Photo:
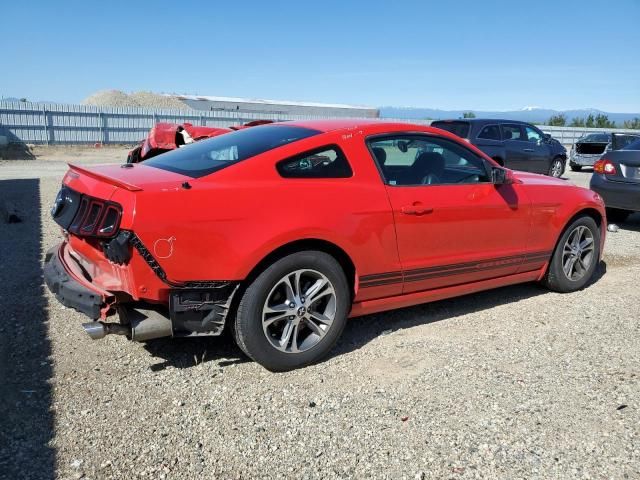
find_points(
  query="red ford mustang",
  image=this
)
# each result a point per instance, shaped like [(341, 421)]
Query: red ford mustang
[(282, 231)]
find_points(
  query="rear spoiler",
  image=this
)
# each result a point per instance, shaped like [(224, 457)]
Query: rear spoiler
[(104, 178)]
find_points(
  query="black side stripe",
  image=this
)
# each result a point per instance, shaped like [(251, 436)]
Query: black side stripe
[(379, 279), (380, 276)]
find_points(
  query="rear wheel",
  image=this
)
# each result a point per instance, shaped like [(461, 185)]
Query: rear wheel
[(293, 313), (617, 215), (575, 257), (575, 168), (557, 168)]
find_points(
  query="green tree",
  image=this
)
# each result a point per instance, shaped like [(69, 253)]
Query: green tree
[(577, 122), (602, 121), (590, 122), (468, 115), (557, 120), (634, 124)]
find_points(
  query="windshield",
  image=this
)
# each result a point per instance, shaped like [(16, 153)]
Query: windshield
[(460, 129), (632, 146), (596, 137), (208, 156)]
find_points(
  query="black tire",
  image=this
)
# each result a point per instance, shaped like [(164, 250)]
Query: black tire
[(617, 215), (556, 279), (248, 328), (554, 171), (575, 168)]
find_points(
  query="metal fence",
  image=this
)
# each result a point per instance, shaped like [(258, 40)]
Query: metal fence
[(49, 123), (569, 135)]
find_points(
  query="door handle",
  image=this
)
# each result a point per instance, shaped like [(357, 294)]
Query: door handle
[(416, 209), (529, 150)]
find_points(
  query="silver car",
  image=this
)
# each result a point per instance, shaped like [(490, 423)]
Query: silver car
[(590, 148)]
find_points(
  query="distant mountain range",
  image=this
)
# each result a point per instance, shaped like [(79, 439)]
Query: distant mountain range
[(527, 114)]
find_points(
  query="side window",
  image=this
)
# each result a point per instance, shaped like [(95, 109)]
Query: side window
[(512, 132), (426, 160), (533, 135), (325, 162), (490, 132)]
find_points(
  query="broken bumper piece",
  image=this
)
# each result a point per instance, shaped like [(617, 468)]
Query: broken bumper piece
[(68, 289)]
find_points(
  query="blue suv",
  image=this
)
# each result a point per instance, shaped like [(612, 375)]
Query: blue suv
[(516, 145)]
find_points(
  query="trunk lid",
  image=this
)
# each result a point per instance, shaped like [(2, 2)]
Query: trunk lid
[(108, 193), (627, 163), (129, 176)]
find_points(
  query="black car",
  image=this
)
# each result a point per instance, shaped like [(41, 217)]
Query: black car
[(616, 178), (516, 145)]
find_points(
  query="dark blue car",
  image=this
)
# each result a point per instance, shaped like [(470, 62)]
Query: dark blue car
[(616, 177), (516, 145)]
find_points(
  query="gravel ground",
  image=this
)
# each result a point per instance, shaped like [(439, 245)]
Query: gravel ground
[(512, 383)]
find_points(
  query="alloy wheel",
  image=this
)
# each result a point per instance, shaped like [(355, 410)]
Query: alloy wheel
[(578, 253), (299, 311), (556, 168)]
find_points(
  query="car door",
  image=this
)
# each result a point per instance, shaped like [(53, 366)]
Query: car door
[(514, 146), (489, 140), (453, 225), (537, 152)]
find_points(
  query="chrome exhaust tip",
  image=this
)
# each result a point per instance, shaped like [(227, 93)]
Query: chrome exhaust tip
[(98, 330), (95, 330)]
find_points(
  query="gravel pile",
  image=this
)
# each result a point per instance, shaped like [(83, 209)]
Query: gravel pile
[(117, 98), (512, 383)]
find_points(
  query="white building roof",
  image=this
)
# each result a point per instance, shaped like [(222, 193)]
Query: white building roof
[(267, 102)]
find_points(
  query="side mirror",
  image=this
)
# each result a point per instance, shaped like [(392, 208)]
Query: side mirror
[(501, 176), (547, 137)]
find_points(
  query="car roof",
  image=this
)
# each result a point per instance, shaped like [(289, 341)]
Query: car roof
[(350, 123), (484, 120)]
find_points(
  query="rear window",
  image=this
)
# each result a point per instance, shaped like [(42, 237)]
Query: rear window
[(632, 146), (460, 129), (619, 141), (596, 137), (208, 156)]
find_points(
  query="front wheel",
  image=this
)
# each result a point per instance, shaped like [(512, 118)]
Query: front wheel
[(575, 257), (293, 313), (557, 168)]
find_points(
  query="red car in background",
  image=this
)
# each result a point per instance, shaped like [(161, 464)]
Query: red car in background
[(164, 137), (280, 232)]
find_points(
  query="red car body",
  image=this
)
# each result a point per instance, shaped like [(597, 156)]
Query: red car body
[(398, 245)]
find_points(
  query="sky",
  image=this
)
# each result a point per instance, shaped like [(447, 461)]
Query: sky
[(460, 54)]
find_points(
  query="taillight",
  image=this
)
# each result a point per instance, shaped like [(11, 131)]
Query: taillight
[(96, 218), (605, 167)]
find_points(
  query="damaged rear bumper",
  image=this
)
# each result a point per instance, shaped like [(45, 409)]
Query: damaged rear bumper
[(69, 289), (584, 160), (193, 309)]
